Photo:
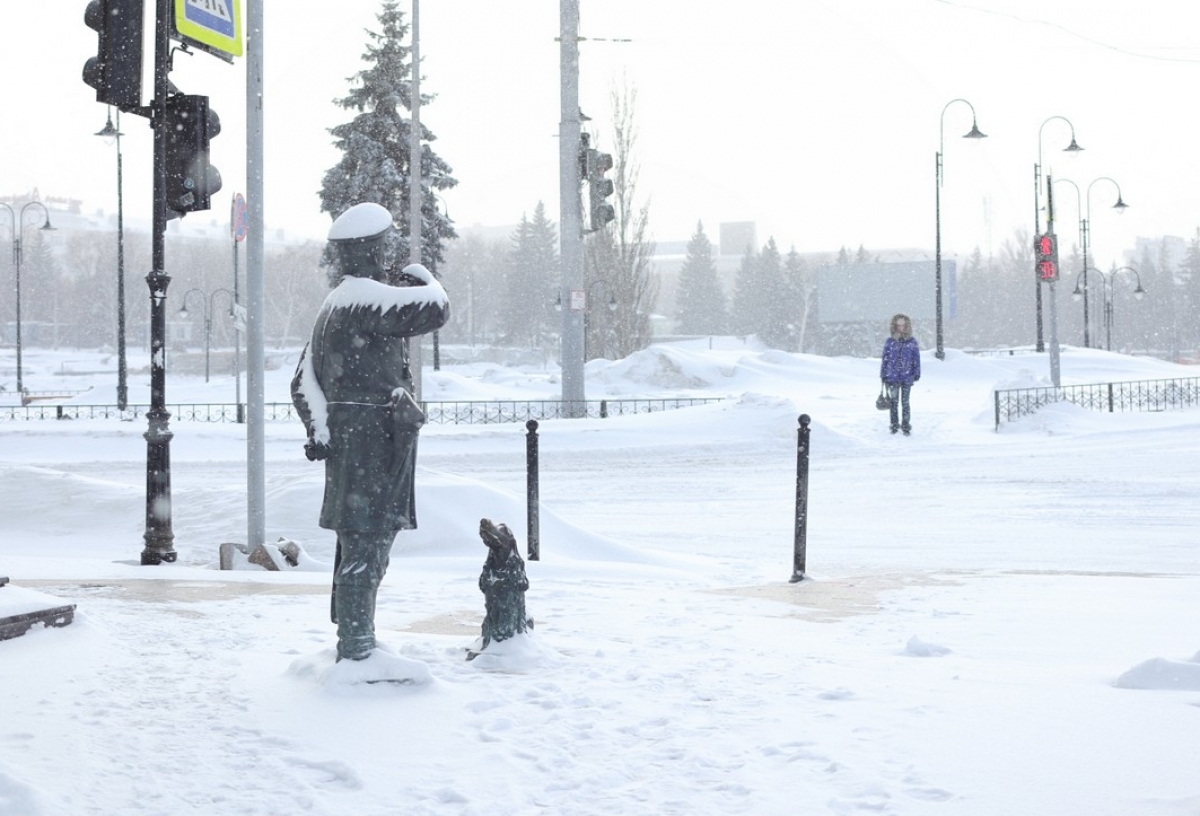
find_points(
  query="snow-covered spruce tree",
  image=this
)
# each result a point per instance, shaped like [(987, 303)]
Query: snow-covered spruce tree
[(375, 145), (778, 305), (1189, 275), (699, 298), (745, 316), (531, 282)]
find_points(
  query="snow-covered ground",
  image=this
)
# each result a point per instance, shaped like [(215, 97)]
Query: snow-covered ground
[(994, 622)]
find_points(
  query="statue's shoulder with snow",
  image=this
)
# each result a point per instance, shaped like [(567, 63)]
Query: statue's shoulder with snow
[(353, 392)]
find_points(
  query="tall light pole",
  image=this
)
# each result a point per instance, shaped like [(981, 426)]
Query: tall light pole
[(1085, 231), (206, 308), (1106, 287), (975, 133), (415, 188), (112, 135), (1074, 149), (1120, 207), (17, 225), (570, 233)]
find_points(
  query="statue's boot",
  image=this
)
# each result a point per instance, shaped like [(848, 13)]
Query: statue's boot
[(361, 561), (355, 607)]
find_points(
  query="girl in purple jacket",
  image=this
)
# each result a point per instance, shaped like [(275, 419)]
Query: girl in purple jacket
[(901, 367)]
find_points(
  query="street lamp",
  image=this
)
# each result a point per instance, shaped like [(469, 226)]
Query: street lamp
[(1106, 289), (1074, 149), (612, 307), (206, 307), (112, 135), (1085, 231), (974, 133), (17, 226)]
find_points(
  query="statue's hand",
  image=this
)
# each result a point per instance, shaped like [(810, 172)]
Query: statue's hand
[(316, 451)]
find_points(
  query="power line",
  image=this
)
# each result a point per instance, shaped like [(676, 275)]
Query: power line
[(1072, 33)]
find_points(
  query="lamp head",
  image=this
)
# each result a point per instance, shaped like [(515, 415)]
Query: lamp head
[(109, 133), (1120, 206), (975, 133), (1073, 148)]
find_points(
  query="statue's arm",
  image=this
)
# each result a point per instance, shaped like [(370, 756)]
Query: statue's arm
[(423, 306), (311, 406)]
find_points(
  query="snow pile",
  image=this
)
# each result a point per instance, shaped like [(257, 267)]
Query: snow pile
[(1161, 673)]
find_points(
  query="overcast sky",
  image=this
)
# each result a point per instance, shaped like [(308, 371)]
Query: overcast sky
[(819, 120)]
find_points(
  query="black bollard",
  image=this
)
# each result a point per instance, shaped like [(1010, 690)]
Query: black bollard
[(531, 489), (799, 554)]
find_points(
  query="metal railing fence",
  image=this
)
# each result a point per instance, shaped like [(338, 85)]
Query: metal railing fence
[(461, 412), (1136, 395)]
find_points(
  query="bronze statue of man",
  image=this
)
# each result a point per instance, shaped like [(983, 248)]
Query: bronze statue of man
[(353, 391)]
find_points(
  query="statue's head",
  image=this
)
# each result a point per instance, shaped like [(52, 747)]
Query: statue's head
[(357, 238)]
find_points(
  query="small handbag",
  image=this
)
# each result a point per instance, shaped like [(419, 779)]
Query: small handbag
[(883, 402)]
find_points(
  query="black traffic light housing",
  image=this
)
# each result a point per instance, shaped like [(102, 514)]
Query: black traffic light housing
[(116, 70), (190, 179), (599, 188), (1046, 248)]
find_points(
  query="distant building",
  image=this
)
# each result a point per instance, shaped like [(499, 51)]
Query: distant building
[(737, 238)]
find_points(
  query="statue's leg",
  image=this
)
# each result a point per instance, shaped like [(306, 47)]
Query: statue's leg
[(364, 559)]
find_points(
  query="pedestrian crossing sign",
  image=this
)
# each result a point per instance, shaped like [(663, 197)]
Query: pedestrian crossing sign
[(214, 26)]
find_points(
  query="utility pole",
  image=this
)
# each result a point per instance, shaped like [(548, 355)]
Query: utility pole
[(570, 212), (256, 491)]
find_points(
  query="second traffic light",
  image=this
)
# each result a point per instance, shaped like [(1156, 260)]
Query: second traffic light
[(191, 179), (599, 188), (1046, 248), (116, 70)]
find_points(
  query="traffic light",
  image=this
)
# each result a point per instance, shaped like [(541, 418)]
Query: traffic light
[(584, 150), (116, 70), (1046, 248), (190, 180), (599, 188)]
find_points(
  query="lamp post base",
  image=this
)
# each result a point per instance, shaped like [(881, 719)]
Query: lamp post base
[(152, 557), (159, 537)]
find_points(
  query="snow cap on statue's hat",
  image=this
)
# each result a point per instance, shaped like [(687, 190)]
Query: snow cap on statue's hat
[(361, 223)]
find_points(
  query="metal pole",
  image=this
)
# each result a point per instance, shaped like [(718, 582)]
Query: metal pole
[(1085, 227), (937, 208), (534, 551), (159, 537), (800, 542), (1054, 350), (19, 226), (415, 190), (237, 339), (1108, 312), (1037, 219), (570, 207), (256, 499), (207, 334), (122, 366)]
